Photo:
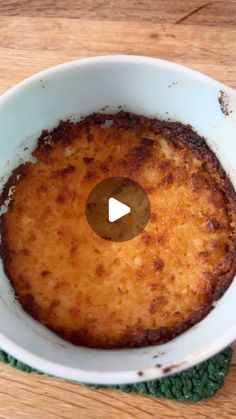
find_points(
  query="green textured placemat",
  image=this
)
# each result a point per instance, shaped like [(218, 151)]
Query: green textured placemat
[(194, 384)]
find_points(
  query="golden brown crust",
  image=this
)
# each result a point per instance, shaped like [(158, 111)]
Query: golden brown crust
[(141, 292)]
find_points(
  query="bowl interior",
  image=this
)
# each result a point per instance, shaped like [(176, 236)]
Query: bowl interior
[(144, 86)]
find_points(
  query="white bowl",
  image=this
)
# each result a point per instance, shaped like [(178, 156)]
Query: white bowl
[(145, 86)]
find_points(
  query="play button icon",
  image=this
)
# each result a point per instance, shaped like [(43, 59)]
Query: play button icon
[(117, 209)]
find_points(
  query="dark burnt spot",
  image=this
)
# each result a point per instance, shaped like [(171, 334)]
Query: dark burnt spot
[(158, 264), (164, 165), (74, 246), (198, 182), (126, 120), (89, 175), (213, 225), (152, 217), (147, 142), (63, 173), (216, 197), (90, 137), (54, 304), (97, 251), (180, 136), (171, 278), (153, 335), (64, 133), (45, 273), (100, 270), (158, 365), (226, 247), (140, 373), (27, 300), (29, 304), (140, 155), (203, 254), (136, 158), (95, 119), (205, 168), (25, 252), (140, 271), (146, 238), (153, 286), (47, 147), (61, 199), (161, 239), (88, 160), (60, 285), (74, 311), (44, 149), (73, 249), (167, 180), (105, 166), (156, 304), (120, 290)]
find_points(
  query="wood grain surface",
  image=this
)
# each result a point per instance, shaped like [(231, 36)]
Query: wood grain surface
[(37, 34)]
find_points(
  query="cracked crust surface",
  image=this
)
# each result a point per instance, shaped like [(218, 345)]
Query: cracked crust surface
[(109, 295)]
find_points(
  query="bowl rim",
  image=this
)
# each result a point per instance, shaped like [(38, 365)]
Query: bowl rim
[(127, 376), (105, 59)]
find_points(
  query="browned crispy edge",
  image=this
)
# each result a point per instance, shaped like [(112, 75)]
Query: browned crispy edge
[(178, 135)]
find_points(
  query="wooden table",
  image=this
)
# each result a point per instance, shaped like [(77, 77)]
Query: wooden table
[(37, 34)]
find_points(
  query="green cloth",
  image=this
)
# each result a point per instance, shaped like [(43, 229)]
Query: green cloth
[(194, 384)]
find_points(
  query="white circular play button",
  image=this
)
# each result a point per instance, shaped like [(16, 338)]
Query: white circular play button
[(117, 209)]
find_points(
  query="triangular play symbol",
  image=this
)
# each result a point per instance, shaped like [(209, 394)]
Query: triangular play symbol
[(116, 210)]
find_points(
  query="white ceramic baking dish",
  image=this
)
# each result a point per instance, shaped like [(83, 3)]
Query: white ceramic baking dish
[(145, 86)]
